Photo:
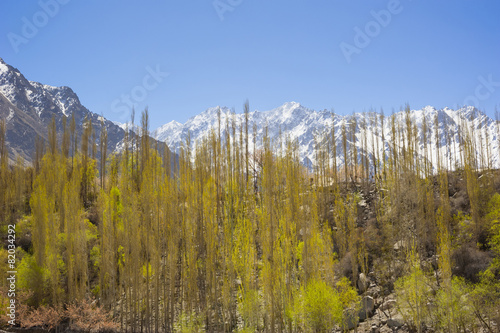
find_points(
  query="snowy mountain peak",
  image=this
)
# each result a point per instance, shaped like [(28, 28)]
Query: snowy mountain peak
[(289, 108), (213, 111), (429, 109), (173, 125), (291, 105)]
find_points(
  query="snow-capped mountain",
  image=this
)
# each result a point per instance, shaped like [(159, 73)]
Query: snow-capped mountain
[(312, 129), (28, 108)]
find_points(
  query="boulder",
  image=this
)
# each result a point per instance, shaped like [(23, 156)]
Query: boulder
[(367, 308), (364, 327), (395, 322), (373, 291), (385, 329), (363, 283), (400, 245), (351, 320)]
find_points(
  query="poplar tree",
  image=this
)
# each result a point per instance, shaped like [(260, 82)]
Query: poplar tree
[(103, 145)]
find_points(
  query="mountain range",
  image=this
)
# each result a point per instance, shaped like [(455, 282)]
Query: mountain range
[(28, 107), (312, 129)]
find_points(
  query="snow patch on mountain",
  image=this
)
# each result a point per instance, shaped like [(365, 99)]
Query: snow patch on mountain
[(11, 115)]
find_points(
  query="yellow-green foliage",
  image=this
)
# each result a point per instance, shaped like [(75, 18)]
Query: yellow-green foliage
[(453, 307), (250, 309), (413, 293), (493, 218), (319, 306), (486, 298), (189, 323), (34, 279), (349, 298)]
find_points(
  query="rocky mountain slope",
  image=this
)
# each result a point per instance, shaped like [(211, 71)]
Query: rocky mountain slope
[(28, 108)]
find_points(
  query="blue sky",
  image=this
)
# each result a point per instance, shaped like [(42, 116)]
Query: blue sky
[(347, 55)]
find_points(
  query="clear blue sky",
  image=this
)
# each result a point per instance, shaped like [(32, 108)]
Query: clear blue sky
[(438, 53)]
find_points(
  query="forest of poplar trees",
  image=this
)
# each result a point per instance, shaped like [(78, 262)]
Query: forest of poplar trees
[(225, 237)]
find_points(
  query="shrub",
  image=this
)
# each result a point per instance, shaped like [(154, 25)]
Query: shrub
[(83, 316), (320, 306), (469, 261)]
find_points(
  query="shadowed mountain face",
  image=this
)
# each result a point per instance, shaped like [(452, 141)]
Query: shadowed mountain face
[(28, 108)]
